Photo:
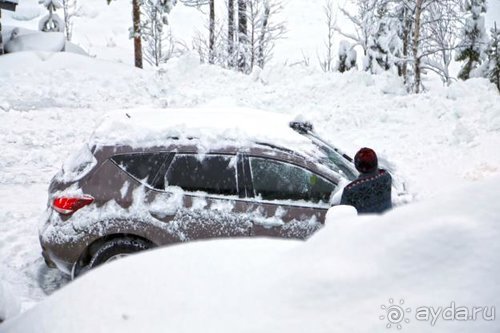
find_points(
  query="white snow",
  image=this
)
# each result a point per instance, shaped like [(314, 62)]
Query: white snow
[(9, 305), (445, 138), (429, 254), (49, 42), (214, 127), (77, 165), (436, 140)]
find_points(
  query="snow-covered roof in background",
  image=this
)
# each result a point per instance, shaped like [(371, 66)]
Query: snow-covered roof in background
[(214, 128)]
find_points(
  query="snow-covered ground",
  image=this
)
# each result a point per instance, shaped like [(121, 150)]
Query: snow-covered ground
[(443, 138), (435, 253), (50, 104)]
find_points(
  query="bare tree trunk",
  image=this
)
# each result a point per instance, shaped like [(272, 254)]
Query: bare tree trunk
[(211, 36), (252, 26), (1, 40), (68, 17), (136, 14), (242, 33), (262, 38), (230, 33), (402, 68), (416, 44)]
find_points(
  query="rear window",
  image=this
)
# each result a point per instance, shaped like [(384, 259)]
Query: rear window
[(213, 174), (143, 166)]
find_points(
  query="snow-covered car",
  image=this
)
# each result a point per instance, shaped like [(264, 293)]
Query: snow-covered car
[(152, 178), (440, 254)]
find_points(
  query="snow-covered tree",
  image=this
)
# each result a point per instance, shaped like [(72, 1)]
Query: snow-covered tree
[(427, 31), (199, 41), (231, 58), (242, 49), (262, 30), (363, 20), (347, 57), (158, 42), (377, 53), (211, 32), (51, 22), (404, 24), (439, 37), (493, 63), (471, 48), (135, 31), (384, 44), (376, 30), (327, 62), (245, 38)]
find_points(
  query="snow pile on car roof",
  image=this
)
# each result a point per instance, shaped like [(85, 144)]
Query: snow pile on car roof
[(431, 254), (213, 128)]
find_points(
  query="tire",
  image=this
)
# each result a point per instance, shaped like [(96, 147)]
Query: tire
[(111, 249), (117, 248)]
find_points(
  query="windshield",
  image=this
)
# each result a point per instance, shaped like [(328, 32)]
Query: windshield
[(335, 160)]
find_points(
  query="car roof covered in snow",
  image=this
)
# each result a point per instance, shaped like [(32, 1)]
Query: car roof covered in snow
[(213, 128)]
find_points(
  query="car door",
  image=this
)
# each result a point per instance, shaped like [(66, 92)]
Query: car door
[(207, 191), (289, 200)]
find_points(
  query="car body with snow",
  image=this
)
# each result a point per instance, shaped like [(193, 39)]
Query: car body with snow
[(153, 178)]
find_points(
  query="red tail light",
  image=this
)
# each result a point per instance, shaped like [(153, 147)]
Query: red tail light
[(69, 205)]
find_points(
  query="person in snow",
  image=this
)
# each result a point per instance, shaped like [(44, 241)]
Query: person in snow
[(371, 191)]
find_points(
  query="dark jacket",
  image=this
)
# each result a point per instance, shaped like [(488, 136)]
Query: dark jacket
[(370, 193)]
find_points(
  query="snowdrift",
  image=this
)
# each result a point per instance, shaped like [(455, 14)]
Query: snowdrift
[(444, 136), (19, 39), (48, 42), (430, 254), (9, 305)]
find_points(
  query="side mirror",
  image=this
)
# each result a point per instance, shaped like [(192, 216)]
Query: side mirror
[(340, 212)]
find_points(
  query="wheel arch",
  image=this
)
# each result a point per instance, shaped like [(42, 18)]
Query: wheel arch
[(91, 248)]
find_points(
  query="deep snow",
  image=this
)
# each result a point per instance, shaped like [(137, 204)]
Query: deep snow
[(441, 139), (50, 104), (429, 254)]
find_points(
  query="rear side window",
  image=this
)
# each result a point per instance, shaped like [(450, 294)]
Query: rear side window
[(143, 166), (275, 180), (213, 174)]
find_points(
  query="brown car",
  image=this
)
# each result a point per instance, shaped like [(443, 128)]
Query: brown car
[(150, 179)]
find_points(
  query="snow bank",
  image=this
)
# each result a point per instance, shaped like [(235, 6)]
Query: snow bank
[(47, 41), (70, 80), (444, 136), (428, 254), (18, 39), (435, 141), (9, 305)]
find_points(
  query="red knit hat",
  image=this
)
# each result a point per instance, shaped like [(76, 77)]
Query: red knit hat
[(366, 160)]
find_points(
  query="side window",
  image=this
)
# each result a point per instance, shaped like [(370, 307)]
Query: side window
[(143, 166), (274, 180), (213, 174)]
